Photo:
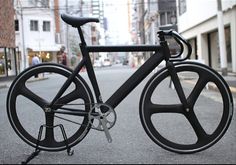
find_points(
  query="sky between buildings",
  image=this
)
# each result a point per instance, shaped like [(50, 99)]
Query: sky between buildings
[(116, 12)]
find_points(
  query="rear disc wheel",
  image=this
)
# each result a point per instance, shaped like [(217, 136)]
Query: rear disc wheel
[(28, 97)]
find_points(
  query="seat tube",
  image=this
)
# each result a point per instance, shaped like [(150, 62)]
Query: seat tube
[(81, 36), (91, 73)]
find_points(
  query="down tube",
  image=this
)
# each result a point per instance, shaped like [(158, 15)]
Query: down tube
[(135, 79)]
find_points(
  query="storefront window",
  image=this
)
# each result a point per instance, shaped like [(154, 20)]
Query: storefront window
[(7, 62), (46, 56), (11, 68), (2, 63), (43, 56), (215, 50), (228, 48)]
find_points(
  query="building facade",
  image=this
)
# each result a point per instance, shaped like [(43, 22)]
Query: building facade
[(8, 56), (167, 16), (69, 35), (38, 30), (149, 16), (197, 22)]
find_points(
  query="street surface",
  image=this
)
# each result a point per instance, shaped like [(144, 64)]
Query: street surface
[(130, 144)]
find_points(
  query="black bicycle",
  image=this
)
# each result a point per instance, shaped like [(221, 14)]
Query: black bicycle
[(55, 120)]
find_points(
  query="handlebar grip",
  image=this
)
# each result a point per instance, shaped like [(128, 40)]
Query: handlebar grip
[(180, 40), (181, 48)]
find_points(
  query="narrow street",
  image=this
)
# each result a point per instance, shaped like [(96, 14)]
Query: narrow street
[(130, 144)]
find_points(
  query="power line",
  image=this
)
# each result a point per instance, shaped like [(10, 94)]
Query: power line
[(62, 7), (117, 3)]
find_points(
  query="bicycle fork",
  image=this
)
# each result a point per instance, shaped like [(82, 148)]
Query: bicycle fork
[(177, 85)]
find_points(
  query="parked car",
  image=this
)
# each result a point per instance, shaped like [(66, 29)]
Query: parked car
[(106, 62), (125, 62), (97, 64)]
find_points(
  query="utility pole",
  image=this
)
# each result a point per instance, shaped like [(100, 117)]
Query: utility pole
[(81, 8), (142, 20), (142, 25), (23, 51), (221, 32), (67, 37)]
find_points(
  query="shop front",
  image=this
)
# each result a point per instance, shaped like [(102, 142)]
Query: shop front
[(44, 56), (214, 52), (8, 58), (8, 63)]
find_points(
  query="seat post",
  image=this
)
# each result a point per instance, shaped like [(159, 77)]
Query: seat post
[(81, 36)]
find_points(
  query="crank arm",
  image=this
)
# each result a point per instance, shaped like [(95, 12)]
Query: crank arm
[(107, 133)]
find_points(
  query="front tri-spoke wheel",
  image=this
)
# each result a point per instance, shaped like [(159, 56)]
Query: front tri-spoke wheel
[(28, 107), (190, 129)]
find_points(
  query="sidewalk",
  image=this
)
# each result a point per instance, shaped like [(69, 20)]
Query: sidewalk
[(7, 84), (231, 80)]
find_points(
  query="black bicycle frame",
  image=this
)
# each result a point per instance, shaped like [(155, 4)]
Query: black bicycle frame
[(136, 78), (161, 51)]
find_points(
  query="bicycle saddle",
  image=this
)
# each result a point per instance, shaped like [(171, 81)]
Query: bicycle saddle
[(77, 21)]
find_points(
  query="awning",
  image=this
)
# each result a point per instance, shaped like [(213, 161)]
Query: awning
[(49, 48)]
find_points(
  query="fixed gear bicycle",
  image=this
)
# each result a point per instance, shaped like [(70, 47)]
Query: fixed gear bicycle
[(57, 113)]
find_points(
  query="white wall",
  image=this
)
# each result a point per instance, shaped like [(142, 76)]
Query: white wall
[(36, 40), (199, 11), (39, 40), (200, 19)]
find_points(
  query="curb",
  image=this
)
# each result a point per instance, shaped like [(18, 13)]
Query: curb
[(3, 86), (38, 79), (212, 86), (188, 80), (8, 84), (233, 89)]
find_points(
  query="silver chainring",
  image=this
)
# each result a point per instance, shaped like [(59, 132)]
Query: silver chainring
[(103, 121)]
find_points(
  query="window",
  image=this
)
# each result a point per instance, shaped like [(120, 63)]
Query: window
[(163, 18), (46, 26), (16, 25), (33, 3), (34, 25), (182, 7), (169, 14), (45, 3), (2, 62), (39, 3)]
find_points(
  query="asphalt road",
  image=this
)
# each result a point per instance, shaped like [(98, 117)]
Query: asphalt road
[(130, 143)]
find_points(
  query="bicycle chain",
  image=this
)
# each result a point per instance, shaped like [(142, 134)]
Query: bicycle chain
[(96, 105)]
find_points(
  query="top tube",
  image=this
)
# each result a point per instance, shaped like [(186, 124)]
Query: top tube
[(124, 48)]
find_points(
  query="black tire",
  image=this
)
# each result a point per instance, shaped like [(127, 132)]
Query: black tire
[(170, 126), (28, 96)]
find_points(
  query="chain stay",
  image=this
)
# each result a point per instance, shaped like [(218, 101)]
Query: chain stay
[(103, 124)]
